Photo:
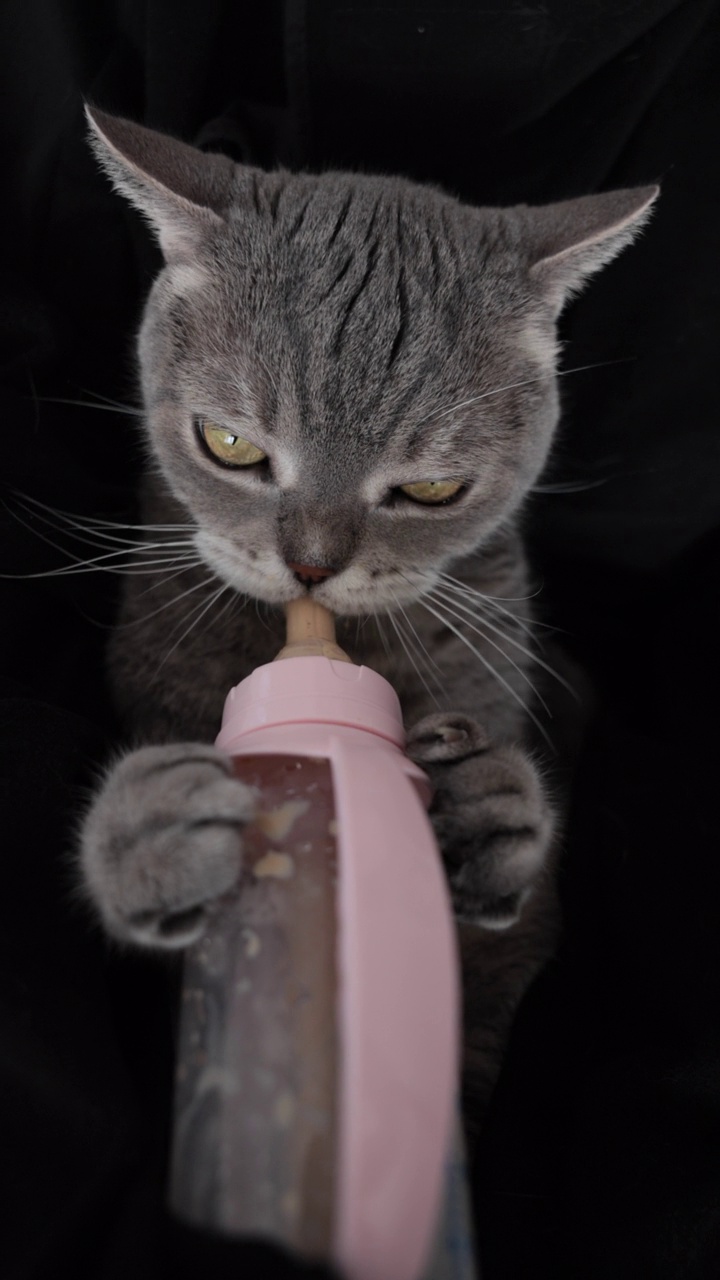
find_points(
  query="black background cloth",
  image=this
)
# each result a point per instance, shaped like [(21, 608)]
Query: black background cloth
[(601, 1157)]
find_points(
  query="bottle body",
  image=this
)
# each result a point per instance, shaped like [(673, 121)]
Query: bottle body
[(343, 906)]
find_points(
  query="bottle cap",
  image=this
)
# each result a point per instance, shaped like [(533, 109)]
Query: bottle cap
[(312, 690)]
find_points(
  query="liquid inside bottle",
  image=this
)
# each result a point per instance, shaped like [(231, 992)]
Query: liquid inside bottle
[(256, 1097)]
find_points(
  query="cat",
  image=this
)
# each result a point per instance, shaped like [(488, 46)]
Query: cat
[(349, 387)]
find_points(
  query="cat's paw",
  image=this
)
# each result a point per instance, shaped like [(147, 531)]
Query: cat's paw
[(162, 842), (490, 814)]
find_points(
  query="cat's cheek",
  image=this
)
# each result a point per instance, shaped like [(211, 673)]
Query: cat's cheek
[(260, 575)]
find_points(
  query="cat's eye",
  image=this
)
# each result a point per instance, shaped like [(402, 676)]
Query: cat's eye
[(228, 448), (432, 492)]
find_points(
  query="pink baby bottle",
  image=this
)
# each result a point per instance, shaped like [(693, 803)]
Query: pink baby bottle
[(319, 1036)]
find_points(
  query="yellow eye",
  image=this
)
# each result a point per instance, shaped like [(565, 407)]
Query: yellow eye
[(229, 448), (431, 491)]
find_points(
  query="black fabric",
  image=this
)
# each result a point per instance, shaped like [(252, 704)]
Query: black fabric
[(601, 1155)]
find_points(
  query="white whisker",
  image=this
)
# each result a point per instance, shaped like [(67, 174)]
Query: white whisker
[(485, 604), (568, 486), (101, 539), (408, 647), (161, 582), (433, 667), (135, 622), (443, 603), (488, 665), (164, 553), (148, 567), (197, 615), (495, 600), (383, 637), (233, 600), (89, 524), (528, 625), (109, 406), (511, 386), (534, 657)]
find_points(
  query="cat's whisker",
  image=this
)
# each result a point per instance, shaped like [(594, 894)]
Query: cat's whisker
[(568, 486), (433, 668), (110, 406), (446, 622), (125, 546), (511, 386), (407, 649), (381, 633), (415, 657), (492, 603), (86, 531), (443, 602), (135, 622), (176, 573), (234, 599), (264, 622), (93, 563), (92, 521), (149, 567), (99, 538), (487, 607), (116, 404), (495, 600), (505, 635), (197, 614)]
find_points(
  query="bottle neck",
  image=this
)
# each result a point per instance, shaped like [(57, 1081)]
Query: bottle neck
[(312, 690)]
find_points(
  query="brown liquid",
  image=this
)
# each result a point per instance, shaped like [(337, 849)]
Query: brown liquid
[(255, 1125)]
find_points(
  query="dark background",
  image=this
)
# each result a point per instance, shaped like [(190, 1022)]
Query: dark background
[(602, 1156)]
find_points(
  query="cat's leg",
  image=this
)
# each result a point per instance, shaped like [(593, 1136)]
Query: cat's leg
[(497, 833), (162, 841)]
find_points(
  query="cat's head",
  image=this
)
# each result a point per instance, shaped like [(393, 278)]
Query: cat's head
[(348, 380)]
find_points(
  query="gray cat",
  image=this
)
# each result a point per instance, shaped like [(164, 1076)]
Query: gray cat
[(349, 387)]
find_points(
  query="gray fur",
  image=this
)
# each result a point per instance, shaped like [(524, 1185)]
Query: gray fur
[(366, 333)]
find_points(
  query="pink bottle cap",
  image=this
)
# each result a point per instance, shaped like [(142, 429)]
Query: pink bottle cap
[(312, 691)]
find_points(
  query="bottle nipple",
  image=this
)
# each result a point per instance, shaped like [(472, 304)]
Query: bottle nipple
[(310, 632)]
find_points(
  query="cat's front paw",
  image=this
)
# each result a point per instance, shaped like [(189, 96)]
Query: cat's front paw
[(162, 842), (490, 814)]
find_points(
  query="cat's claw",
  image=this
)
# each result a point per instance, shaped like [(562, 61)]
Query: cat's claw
[(490, 814), (162, 843)]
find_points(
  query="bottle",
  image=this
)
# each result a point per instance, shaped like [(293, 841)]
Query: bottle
[(318, 1056)]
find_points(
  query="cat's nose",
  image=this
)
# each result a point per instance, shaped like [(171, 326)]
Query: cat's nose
[(309, 574)]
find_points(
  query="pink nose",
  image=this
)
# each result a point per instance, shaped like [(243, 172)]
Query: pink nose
[(309, 572)]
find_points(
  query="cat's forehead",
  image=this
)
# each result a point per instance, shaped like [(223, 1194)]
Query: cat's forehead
[(310, 229), (341, 204), (348, 314), (359, 296)]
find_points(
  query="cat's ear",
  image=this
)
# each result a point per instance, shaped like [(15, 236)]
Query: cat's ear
[(575, 238), (182, 192)]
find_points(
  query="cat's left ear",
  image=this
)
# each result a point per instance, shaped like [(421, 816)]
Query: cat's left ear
[(182, 192), (575, 238)]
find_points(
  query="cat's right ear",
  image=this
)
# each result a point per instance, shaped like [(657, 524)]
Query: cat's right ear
[(181, 191)]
